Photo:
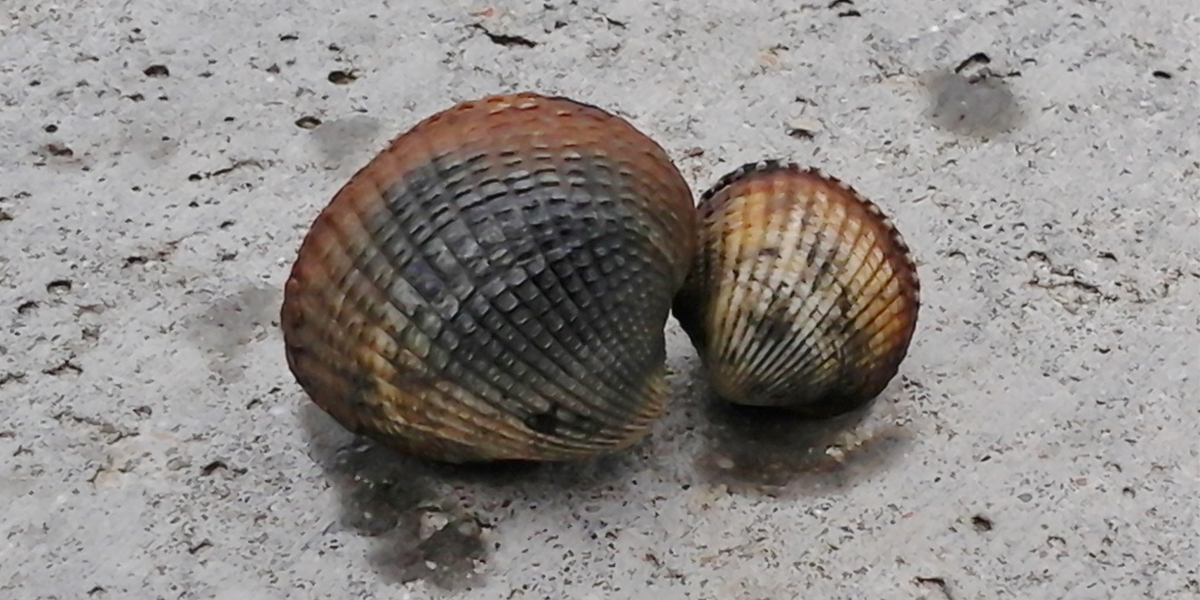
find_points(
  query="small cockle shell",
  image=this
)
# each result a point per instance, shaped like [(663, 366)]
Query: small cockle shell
[(802, 296), (495, 285)]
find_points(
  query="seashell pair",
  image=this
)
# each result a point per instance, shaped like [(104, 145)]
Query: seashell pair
[(495, 285)]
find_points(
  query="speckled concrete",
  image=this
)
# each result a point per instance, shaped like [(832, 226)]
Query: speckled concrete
[(159, 165)]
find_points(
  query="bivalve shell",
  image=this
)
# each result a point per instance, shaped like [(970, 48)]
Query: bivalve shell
[(802, 296), (495, 285)]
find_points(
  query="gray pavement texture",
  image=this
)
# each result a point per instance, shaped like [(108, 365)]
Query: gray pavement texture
[(160, 161)]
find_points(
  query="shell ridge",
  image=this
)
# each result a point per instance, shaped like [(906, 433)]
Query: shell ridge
[(483, 379), (870, 307), (542, 381), (805, 364), (824, 248), (786, 295), (737, 331), (674, 260), (554, 222), (730, 242), (461, 422), (874, 304), (750, 361), (622, 383), (807, 381), (550, 370), (753, 361), (848, 319), (843, 333), (882, 302), (879, 309), (711, 292), (904, 252), (368, 354), (728, 246), (625, 384), (743, 265), (805, 353), (617, 381), (815, 368), (629, 225)]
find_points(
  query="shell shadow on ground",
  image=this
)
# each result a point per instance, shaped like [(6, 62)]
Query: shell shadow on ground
[(422, 514), (774, 453)]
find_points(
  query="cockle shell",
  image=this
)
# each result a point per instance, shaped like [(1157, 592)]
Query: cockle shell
[(495, 285), (802, 296)]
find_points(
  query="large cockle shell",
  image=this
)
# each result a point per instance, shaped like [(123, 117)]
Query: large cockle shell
[(802, 296), (495, 285)]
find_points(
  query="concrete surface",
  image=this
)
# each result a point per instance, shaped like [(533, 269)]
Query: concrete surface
[(159, 164)]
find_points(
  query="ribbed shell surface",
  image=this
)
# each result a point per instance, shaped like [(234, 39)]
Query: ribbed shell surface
[(802, 295), (495, 285)]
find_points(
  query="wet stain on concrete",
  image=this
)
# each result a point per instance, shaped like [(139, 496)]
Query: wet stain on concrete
[(231, 324), (972, 99), (341, 142)]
